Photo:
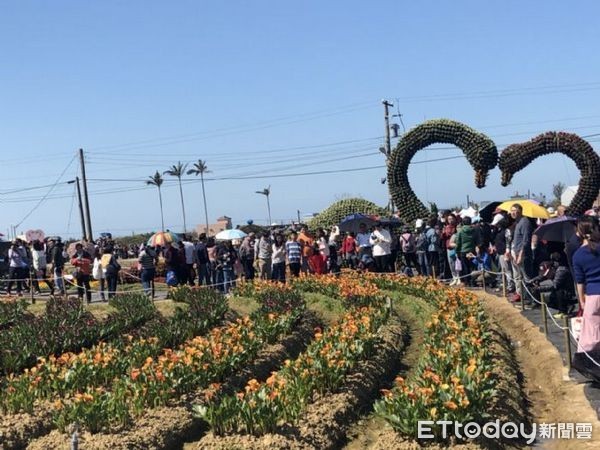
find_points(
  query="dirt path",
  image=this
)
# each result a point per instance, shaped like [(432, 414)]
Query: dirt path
[(554, 398), (367, 431)]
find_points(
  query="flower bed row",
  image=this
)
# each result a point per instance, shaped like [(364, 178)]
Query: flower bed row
[(110, 384), (66, 326), (12, 310), (453, 379), (263, 407)]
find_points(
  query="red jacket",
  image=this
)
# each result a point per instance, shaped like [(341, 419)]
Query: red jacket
[(349, 245), (316, 264)]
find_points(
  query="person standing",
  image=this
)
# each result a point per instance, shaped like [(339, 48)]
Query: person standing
[(586, 266), (264, 251), (323, 246), (182, 267), (448, 231), (293, 249), (211, 249), (433, 247), (467, 239), (98, 272), (363, 240), (171, 264), (380, 241), (38, 257), (501, 247), (521, 254), (349, 250), (421, 246), (16, 268), (202, 261), (306, 241), (111, 270), (189, 250), (147, 258), (58, 265), (278, 272), (82, 261), (408, 247), (226, 257), (247, 256)]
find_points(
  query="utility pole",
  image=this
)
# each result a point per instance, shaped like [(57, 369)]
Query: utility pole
[(388, 145), (298, 211), (88, 228), (387, 149), (81, 216)]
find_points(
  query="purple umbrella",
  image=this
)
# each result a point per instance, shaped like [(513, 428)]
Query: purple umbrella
[(558, 229)]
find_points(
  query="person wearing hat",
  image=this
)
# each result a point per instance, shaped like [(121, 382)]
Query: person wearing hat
[(501, 249), (17, 267)]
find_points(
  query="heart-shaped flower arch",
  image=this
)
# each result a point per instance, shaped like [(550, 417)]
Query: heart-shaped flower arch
[(479, 150), (516, 157)]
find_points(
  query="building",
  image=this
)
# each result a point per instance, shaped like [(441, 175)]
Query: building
[(223, 223)]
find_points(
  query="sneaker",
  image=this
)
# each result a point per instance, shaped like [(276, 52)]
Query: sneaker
[(559, 315), (516, 298)]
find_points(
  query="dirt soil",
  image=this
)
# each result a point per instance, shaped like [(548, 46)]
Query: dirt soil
[(169, 427), (554, 398), (326, 421)]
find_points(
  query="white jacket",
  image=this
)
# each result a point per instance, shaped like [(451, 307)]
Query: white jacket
[(380, 241)]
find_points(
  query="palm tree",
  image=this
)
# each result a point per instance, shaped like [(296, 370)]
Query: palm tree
[(157, 180), (178, 171), (200, 168)]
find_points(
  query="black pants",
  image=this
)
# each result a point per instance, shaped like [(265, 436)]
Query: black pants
[(41, 275), (466, 268), (15, 274), (83, 286), (248, 266), (111, 281), (278, 273), (433, 260), (410, 260), (294, 269), (381, 263)]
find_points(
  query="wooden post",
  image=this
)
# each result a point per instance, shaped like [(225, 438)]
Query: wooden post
[(544, 312), (483, 272), (567, 341), (503, 283), (31, 287)]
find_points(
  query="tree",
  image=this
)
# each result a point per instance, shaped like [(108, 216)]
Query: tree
[(178, 171), (200, 168), (157, 180), (557, 191)]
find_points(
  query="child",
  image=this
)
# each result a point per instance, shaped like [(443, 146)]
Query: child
[(316, 263)]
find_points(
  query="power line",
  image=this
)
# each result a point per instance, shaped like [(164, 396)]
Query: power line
[(47, 193)]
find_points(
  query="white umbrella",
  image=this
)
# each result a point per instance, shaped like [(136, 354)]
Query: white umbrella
[(228, 235), (469, 212)]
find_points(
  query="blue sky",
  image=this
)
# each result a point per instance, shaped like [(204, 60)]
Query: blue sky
[(262, 88)]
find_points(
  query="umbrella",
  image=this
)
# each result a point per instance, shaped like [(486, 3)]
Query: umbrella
[(487, 212), (469, 212), (352, 222), (88, 247), (530, 209), (559, 229), (162, 237), (228, 235)]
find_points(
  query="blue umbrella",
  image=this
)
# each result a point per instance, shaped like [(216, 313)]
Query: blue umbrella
[(558, 229), (353, 221), (228, 235)]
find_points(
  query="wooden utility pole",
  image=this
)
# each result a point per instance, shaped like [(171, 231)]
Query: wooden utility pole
[(81, 216), (88, 225)]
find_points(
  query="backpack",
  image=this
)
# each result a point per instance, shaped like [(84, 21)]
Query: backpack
[(422, 243), (408, 243), (433, 239)]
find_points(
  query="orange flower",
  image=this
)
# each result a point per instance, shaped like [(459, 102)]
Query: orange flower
[(252, 385), (451, 405), (135, 373)]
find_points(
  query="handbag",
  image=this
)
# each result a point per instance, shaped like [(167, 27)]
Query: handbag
[(171, 278), (458, 265), (576, 325), (97, 270)]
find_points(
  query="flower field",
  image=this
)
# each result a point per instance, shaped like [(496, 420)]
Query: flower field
[(201, 366)]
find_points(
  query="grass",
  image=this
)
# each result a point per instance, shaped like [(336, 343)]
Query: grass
[(329, 309)]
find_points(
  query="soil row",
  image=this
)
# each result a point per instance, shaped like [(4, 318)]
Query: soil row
[(169, 427), (325, 422)]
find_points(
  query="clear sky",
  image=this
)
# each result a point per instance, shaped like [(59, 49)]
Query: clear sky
[(262, 88)]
